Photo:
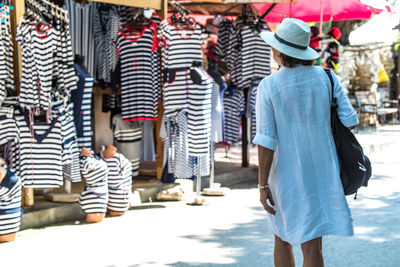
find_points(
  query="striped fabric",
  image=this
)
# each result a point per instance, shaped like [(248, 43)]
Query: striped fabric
[(234, 107), (199, 116), (139, 98), (173, 131), (28, 88), (10, 203), (94, 197), (119, 182), (8, 128), (44, 45), (181, 49), (82, 99), (251, 111), (70, 151), (7, 86), (224, 32), (127, 139), (255, 56), (40, 156)]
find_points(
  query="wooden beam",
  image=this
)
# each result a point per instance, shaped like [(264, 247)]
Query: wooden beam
[(154, 4), (19, 11)]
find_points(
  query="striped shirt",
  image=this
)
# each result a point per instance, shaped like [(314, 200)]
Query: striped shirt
[(44, 45), (70, 152), (251, 111), (94, 196), (10, 203), (173, 131), (119, 182), (82, 99), (127, 139), (256, 56), (40, 156), (234, 108), (139, 97)]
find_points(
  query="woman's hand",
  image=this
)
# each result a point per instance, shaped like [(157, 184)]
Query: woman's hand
[(265, 194)]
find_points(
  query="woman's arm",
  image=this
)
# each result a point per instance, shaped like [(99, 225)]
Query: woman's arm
[(265, 157)]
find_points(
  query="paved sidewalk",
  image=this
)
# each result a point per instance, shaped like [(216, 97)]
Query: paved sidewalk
[(228, 174), (229, 231)]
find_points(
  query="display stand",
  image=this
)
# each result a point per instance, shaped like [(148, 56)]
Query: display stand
[(198, 199), (214, 189)]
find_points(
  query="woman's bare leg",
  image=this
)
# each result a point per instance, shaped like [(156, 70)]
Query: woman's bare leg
[(283, 253), (312, 253)]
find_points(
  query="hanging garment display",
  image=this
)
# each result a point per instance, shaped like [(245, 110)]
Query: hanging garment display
[(251, 111), (70, 152), (10, 203), (7, 86), (47, 62), (119, 182), (94, 197), (135, 49), (186, 84), (82, 99), (234, 108), (246, 55), (176, 157), (127, 139), (82, 32), (39, 153)]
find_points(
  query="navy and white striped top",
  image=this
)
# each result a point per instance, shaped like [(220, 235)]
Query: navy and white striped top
[(234, 107), (138, 95), (40, 155)]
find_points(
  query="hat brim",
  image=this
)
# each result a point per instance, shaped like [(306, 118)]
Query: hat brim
[(306, 54)]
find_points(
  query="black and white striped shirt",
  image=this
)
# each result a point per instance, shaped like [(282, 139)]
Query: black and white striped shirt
[(94, 196), (40, 155), (10, 203), (127, 139), (139, 97), (119, 182), (234, 107)]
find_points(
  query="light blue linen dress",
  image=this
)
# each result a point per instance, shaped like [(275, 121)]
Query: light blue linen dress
[(293, 118)]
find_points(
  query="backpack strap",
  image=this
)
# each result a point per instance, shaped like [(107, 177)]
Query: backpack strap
[(328, 72)]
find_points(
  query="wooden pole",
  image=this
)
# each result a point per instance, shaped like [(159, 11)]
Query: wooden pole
[(159, 141), (19, 10), (245, 138)]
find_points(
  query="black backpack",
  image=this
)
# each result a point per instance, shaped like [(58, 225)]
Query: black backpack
[(355, 167)]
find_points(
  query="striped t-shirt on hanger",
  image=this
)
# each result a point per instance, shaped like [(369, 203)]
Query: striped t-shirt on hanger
[(40, 155)]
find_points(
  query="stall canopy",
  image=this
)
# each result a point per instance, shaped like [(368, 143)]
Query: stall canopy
[(223, 7), (311, 10)]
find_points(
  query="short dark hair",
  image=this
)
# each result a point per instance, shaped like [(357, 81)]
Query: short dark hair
[(292, 62)]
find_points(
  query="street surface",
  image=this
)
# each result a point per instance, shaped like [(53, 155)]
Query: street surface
[(227, 231)]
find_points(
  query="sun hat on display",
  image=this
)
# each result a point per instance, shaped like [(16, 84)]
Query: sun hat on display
[(291, 38)]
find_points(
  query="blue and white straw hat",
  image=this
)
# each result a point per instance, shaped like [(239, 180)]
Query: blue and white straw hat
[(291, 38)]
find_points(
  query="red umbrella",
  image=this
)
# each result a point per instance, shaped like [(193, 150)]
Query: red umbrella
[(317, 10)]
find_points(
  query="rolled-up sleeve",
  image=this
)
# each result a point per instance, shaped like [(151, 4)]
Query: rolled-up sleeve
[(347, 114), (266, 126)]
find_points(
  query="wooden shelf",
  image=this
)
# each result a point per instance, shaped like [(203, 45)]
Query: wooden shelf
[(108, 91)]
